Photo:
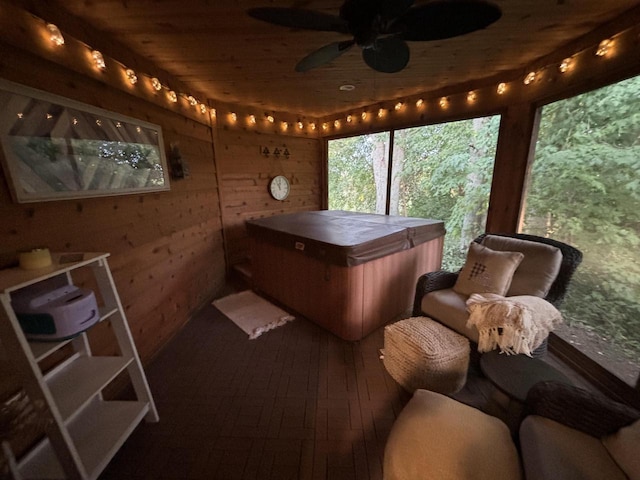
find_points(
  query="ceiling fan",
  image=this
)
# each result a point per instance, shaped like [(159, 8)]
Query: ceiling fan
[(382, 27)]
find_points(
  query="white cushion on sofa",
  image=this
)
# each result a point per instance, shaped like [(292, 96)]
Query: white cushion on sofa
[(624, 447), (552, 451), (449, 308), (436, 437), (537, 270)]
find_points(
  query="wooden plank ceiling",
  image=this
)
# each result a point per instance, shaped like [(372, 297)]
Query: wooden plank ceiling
[(214, 47)]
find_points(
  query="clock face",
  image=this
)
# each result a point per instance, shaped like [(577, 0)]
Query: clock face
[(279, 187)]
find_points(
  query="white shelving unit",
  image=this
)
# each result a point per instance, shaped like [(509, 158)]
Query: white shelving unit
[(83, 431)]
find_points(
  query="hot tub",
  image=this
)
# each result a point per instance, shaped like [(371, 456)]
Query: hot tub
[(348, 272)]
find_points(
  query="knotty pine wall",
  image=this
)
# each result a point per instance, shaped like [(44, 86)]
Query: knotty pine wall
[(244, 173), (167, 253)]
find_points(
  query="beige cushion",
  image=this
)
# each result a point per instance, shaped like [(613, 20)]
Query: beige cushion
[(538, 269), (436, 437), (624, 447), (553, 451), (449, 308), (487, 271)]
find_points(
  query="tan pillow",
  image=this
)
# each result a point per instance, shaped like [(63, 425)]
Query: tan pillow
[(624, 447), (487, 271), (539, 267)]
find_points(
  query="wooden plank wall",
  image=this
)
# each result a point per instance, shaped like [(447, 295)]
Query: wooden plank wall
[(167, 249), (244, 173)]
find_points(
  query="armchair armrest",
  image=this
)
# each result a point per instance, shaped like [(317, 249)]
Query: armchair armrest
[(591, 413), (430, 282)]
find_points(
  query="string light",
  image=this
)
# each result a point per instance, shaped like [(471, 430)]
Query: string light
[(285, 125), (336, 124), (502, 87), (531, 76), (444, 102), (213, 113), (252, 119), (604, 47), (192, 100), (363, 115), (54, 35), (300, 125), (381, 113), (173, 97), (131, 76), (419, 103), (98, 60), (565, 65), (398, 106), (472, 96), (349, 118), (325, 126), (203, 108), (270, 119), (313, 125), (155, 83), (233, 116)]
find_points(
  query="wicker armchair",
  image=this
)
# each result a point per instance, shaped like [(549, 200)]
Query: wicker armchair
[(571, 258), (567, 433)]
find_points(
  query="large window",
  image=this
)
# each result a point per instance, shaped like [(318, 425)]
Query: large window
[(438, 171), (585, 190)]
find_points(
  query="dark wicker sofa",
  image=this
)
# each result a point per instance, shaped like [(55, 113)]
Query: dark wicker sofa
[(439, 280)]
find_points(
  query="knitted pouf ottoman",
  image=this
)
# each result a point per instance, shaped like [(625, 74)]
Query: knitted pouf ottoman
[(422, 353)]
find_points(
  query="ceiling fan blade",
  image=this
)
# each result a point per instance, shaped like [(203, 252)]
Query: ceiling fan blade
[(300, 18), (394, 8), (324, 55), (445, 19), (388, 55)]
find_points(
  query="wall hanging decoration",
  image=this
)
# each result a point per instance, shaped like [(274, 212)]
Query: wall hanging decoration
[(56, 148)]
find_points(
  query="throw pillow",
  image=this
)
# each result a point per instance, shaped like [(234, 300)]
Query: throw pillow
[(624, 447), (487, 271)]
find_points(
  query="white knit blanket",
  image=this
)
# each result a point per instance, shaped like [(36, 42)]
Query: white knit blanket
[(516, 324)]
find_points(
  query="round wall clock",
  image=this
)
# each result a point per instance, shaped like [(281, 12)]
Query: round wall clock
[(279, 187)]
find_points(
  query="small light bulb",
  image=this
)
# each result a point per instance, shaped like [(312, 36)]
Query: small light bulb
[(381, 113), (54, 34), (472, 96), (173, 97), (349, 118), (565, 65), (336, 124), (49, 116), (139, 129), (300, 125), (98, 59), (192, 100), (252, 119), (325, 126), (131, 76), (99, 122), (398, 106), (285, 125), (21, 115), (233, 116), (270, 119), (531, 76), (364, 115), (213, 112), (603, 47), (502, 87), (313, 125), (419, 103), (118, 125), (444, 102), (203, 108), (155, 83)]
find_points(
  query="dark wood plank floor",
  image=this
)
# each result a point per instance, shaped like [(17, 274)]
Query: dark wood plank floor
[(296, 403)]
